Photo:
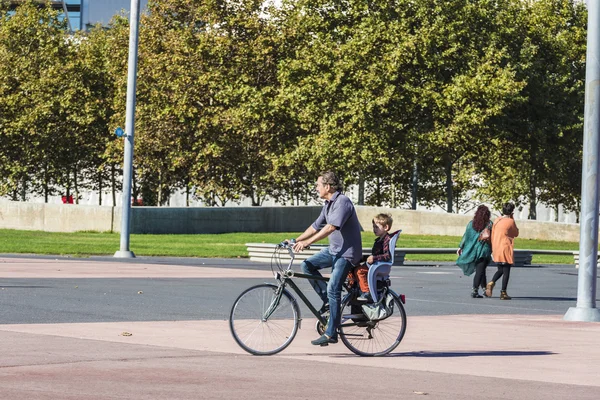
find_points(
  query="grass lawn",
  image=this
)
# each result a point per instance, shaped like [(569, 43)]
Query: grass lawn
[(83, 244)]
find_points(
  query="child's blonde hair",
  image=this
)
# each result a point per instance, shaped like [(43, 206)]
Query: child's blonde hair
[(384, 220)]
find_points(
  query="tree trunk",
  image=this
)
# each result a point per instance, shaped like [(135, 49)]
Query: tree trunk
[(393, 189), (361, 191), (24, 189), (187, 194), (378, 192), (134, 189), (76, 187), (45, 186), (449, 189), (100, 188), (159, 198), (415, 185), (532, 197), (113, 183), (254, 198)]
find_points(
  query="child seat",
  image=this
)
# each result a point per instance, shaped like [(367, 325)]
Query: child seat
[(381, 270)]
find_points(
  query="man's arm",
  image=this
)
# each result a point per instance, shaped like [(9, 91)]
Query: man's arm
[(303, 242), (306, 234)]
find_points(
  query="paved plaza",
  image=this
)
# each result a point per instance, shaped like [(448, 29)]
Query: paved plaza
[(157, 328)]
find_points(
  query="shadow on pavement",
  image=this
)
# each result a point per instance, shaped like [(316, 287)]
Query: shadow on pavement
[(25, 287), (448, 354), (546, 298), (471, 353)]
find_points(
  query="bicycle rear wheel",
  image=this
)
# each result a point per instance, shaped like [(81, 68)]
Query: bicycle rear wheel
[(367, 338), (262, 322)]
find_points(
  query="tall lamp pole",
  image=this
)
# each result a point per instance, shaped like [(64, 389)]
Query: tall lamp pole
[(134, 23), (588, 232)]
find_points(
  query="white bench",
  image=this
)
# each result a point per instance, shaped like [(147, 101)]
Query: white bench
[(576, 258), (522, 257), (262, 252)]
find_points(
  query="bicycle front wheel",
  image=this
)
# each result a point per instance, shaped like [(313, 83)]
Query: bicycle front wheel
[(263, 322), (367, 338)]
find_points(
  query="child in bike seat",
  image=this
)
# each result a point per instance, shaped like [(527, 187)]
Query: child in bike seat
[(382, 223)]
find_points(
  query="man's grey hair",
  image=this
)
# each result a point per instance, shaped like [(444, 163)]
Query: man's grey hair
[(330, 178)]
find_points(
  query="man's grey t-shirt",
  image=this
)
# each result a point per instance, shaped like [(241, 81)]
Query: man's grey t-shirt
[(345, 241)]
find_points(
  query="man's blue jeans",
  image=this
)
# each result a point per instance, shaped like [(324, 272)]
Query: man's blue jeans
[(331, 291)]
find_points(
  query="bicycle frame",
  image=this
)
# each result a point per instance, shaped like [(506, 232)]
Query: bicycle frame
[(285, 279)]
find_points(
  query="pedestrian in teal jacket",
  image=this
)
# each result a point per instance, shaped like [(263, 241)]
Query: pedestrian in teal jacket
[(475, 249)]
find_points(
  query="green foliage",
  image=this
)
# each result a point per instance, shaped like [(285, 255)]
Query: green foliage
[(540, 137), (483, 97), (35, 137)]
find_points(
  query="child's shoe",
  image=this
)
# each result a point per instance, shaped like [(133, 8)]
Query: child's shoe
[(364, 297)]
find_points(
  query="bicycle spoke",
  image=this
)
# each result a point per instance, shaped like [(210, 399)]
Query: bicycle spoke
[(375, 338), (252, 331)]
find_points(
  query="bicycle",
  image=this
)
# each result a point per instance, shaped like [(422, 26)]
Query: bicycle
[(265, 318)]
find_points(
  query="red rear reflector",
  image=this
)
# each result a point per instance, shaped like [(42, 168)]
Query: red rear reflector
[(403, 298)]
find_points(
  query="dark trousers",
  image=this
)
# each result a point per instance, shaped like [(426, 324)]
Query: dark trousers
[(479, 280), (504, 272)]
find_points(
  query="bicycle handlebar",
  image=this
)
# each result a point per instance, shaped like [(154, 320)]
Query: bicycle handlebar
[(289, 244)]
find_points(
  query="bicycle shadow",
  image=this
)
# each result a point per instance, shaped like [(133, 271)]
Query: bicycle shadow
[(491, 353), (25, 287), (466, 353)]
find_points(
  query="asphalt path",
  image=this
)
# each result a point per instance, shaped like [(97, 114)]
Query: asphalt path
[(156, 328), (430, 289)]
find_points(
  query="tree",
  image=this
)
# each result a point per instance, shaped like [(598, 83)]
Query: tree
[(465, 79), (100, 65), (547, 45), (343, 83), (37, 145)]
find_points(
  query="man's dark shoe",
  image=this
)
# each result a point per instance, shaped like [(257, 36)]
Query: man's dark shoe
[(324, 341)]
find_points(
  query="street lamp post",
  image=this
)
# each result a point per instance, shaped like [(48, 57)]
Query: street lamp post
[(134, 23), (588, 232)]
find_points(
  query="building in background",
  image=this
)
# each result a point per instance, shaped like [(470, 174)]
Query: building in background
[(101, 11), (83, 14)]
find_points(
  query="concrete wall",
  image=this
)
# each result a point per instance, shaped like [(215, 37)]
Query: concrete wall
[(221, 219), (432, 223), (55, 217), (72, 218)]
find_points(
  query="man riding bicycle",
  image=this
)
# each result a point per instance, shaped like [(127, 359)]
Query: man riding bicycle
[(339, 222)]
